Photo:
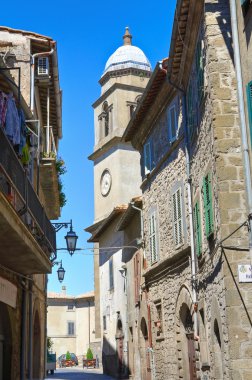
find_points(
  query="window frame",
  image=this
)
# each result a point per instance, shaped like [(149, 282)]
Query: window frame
[(178, 217), (170, 136), (153, 236), (208, 205), (111, 274), (147, 157), (72, 324)]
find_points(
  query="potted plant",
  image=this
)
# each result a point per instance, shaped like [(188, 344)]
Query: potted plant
[(89, 361)]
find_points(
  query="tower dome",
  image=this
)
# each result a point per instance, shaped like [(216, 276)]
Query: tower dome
[(127, 56)]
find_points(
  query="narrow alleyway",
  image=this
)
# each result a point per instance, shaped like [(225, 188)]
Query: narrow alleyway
[(78, 374)]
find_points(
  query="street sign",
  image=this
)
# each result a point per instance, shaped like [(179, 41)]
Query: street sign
[(245, 273)]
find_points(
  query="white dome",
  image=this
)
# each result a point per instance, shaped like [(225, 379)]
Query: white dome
[(127, 56)]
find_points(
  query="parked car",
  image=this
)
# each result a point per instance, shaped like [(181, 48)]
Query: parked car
[(67, 363)]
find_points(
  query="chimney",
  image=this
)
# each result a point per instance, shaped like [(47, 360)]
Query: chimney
[(63, 292)]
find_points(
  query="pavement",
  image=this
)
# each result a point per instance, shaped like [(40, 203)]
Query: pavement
[(77, 373)]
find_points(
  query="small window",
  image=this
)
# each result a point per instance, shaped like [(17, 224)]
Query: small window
[(104, 323), (159, 319), (173, 123), (208, 205), (70, 328), (106, 118), (43, 66), (147, 158), (111, 274), (177, 217), (70, 307), (153, 237)]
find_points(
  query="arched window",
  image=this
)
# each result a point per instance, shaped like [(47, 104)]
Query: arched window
[(106, 118)]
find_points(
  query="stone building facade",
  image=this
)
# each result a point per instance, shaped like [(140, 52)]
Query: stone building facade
[(71, 324), (187, 131), (29, 197)]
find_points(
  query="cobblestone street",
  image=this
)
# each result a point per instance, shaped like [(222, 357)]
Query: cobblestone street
[(78, 374)]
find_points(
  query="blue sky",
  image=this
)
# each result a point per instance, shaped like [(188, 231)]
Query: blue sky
[(87, 33)]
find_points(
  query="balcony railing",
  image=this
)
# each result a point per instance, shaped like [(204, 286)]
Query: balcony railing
[(17, 188)]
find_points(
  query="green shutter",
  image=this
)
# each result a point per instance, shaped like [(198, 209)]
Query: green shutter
[(197, 228), (249, 105), (208, 205)]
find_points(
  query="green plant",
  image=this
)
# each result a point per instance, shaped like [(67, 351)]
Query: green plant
[(61, 169), (68, 356), (49, 343), (89, 354)]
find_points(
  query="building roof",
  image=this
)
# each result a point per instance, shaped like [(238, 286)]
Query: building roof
[(154, 85), (24, 32), (65, 296), (127, 56), (103, 225)]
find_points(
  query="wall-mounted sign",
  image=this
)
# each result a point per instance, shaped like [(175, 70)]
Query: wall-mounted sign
[(8, 292), (245, 273)]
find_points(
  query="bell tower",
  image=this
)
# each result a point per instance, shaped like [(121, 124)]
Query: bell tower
[(116, 164)]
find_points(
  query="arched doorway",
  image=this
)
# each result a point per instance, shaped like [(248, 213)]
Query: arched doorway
[(144, 351), (119, 348), (36, 347), (188, 359), (5, 343)]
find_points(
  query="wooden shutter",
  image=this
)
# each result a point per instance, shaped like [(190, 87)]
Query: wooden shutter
[(153, 237), (249, 105), (111, 274), (197, 228), (208, 205), (200, 69), (147, 158), (177, 217)]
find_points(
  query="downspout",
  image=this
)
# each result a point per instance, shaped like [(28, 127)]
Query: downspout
[(244, 135), (33, 56), (30, 356), (23, 330), (189, 191)]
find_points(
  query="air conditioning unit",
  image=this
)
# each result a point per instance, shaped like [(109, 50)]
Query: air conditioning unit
[(43, 66)]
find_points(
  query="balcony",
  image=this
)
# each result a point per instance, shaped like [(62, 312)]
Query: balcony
[(49, 176), (27, 237)]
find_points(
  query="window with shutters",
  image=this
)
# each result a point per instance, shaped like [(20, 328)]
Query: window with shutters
[(172, 123), (147, 158), (208, 205), (177, 217), (111, 274), (70, 328), (197, 229), (104, 322), (153, 237), (249, 105)]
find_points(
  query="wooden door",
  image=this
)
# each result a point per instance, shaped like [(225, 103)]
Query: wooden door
[(191, 356)]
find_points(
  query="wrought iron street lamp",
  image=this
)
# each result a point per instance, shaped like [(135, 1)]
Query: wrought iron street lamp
[(71, 237), (61, 271)]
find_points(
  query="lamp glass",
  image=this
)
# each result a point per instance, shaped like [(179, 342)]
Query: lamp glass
[(71, 240), (61, 273)]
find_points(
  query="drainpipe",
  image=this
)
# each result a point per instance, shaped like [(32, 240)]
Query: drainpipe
[(30, 356), (23, 330), (43, 54), (189, 191), (244, 135)]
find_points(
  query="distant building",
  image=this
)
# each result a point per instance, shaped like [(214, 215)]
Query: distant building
[(71, 323)]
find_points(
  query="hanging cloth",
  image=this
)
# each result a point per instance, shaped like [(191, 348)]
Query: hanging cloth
[(12, 122)]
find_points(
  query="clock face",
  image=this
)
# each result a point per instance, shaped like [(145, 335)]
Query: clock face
[(106, 181)]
